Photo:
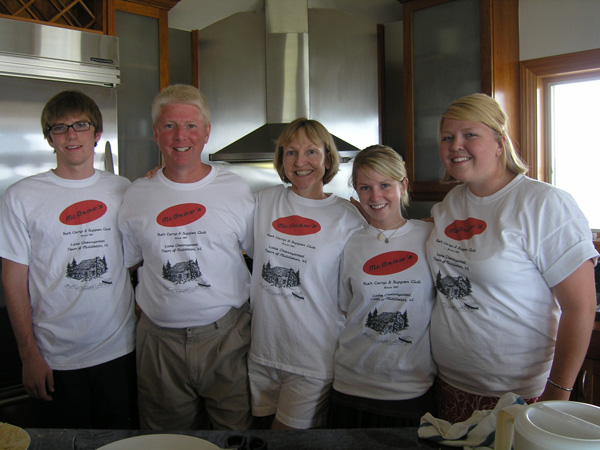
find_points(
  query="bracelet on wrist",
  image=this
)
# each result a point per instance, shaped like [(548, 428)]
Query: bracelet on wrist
[(558, 385)]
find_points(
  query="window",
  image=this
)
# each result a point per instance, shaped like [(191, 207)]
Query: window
[(559, 116), (573, 146)]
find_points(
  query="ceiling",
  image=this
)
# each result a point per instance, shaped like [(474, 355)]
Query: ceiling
[(195, 14)]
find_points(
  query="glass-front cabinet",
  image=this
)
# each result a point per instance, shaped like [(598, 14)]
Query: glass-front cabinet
[(453, 48), (142, 29)]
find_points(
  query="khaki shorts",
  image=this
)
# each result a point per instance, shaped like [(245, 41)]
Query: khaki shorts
[(189, 375), (297, 401)]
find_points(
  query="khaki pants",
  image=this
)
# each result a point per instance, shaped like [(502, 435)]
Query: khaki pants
[(187, 374)]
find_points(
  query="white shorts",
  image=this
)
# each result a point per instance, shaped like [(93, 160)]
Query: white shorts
[(297, 401)]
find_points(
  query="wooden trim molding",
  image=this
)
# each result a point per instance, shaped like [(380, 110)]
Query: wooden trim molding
[(529, 122), (111, 27), (535, 74), (134, 8), (503, 62), (195, 59), (381, 81), (429, 191), (167, 5), (163, 47)]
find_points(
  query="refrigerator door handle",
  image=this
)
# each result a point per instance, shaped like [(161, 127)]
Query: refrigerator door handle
[(108, 159)]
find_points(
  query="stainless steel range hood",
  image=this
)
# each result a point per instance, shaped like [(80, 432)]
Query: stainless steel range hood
[(45, 52), (248, 148), (287, 79)]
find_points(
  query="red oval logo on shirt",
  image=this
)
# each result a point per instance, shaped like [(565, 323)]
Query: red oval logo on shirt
[(461, 230), (180, 215), (390, 262), (296, 226), (82, 212)]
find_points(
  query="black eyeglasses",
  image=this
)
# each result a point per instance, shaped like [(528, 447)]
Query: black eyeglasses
[(62, 128)]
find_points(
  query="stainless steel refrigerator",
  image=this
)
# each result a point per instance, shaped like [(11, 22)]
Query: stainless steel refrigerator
[(36, 62)]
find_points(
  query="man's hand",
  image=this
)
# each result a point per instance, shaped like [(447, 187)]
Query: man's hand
[(37, 378), (37, 375)]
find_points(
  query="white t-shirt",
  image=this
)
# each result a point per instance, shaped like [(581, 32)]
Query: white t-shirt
[(81, 297), (190, 237), (298, 245), (494, 259), (388, 294)]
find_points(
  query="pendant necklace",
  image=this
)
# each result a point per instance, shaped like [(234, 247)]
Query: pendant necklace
[(382, 237)]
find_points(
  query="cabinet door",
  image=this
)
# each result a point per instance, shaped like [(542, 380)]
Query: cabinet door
[(444, 64), (587, 386), (143, 48), (453, 48)]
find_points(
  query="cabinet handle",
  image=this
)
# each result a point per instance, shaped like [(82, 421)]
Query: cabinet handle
[(583, 376)]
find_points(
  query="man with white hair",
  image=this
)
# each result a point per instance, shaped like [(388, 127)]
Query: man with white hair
[(188, 225)]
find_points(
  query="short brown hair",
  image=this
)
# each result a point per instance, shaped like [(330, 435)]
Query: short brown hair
[(70, 103), (319, 135)]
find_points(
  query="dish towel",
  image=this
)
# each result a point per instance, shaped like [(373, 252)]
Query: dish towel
[(475, 433)]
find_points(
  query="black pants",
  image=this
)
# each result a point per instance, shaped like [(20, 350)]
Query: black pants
[(348, 411), (102, 396)]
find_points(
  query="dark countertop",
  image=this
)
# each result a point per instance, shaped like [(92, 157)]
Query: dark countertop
[(385, 438)]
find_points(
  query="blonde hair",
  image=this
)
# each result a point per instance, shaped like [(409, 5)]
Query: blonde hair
[(483, 108), (385, 161), (181, 94), (319, 135)]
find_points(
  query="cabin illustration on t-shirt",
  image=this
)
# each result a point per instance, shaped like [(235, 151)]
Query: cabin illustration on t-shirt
[(387, 322), (184, 272), (285, 277), (88, 269), (455, 288)]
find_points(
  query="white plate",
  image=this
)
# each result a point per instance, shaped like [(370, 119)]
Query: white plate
[(161, 442)]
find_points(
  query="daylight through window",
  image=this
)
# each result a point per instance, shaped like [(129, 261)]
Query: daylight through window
[(574, 123)]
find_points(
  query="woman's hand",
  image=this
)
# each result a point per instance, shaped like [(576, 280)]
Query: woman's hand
[(360, 208)]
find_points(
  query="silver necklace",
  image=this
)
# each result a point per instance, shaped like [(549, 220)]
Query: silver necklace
[(382, 237)]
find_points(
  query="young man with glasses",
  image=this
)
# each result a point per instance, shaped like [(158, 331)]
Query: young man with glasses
[(68, 293)]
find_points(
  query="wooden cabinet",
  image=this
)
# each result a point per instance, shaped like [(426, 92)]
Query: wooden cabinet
[(454, 48), (89, 15), (587, 386), (155, 35), (142, 28)]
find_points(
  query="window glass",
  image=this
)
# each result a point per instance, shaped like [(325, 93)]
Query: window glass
[(574, 119)]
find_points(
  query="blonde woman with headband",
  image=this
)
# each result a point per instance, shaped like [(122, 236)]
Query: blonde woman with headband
[(513, 262), (383, 369)]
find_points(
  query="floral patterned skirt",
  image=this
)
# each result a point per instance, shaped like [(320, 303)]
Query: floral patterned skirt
[(455, 405)]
